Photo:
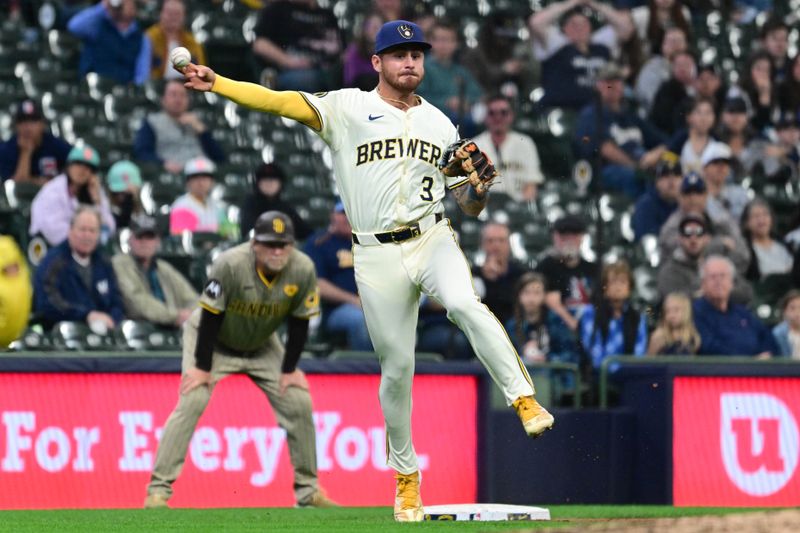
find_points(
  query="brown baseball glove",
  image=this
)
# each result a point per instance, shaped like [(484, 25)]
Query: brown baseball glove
[(464, 158)]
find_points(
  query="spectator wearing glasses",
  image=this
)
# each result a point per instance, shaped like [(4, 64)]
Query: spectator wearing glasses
[(654, 207), (727, 328), (151, 288), (680, 272), (513, 153), (693, 199)]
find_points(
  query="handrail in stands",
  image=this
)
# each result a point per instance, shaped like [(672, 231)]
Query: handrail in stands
[(680, 360)]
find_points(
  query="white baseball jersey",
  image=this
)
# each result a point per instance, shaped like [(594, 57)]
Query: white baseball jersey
[(385, 159), (516, 160)]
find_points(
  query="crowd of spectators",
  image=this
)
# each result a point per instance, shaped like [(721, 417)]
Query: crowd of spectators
[(689, 144)]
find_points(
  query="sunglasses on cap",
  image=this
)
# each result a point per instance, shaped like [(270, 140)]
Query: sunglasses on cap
[(693, 231)]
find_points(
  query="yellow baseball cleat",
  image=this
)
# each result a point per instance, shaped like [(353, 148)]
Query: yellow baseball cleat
[(535, 418), (156, 501), (320, 500), (407, 503)]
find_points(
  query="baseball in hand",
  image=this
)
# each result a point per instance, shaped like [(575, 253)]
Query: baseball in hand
[(180, 57)]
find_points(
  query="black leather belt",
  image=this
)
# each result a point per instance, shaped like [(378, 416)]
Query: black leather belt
[(400, 234)]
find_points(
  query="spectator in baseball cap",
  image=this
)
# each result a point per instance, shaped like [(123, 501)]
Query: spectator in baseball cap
[(268, 181), (569, 277), (124, 182), (654, 207), (196, 210), (723, 194), (151, 288), (56, 202), (693, 199), (33, 154)]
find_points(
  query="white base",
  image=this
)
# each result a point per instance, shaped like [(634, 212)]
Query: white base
[(485, 512)]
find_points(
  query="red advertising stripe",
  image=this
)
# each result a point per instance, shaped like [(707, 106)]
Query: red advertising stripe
[(88, 441), (736, 441)]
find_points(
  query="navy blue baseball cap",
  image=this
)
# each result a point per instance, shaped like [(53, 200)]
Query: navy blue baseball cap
[(693, 184), (399, 33)]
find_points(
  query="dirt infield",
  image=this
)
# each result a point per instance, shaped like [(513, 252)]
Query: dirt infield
[(787, 521)]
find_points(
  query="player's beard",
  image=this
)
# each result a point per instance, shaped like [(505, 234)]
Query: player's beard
[(403, 83), (275, 264)]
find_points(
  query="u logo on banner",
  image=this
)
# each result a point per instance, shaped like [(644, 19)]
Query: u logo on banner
[(759, 442)]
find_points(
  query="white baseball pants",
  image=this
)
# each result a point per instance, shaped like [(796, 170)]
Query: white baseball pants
[(390, 279)]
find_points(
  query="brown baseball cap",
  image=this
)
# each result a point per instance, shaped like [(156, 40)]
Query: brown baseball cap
[(274, 226)]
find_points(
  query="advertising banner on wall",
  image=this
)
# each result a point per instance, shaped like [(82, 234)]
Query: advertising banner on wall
[(89, 441), (736, 441)]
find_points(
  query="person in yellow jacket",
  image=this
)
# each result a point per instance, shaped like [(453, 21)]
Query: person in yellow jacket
[(169, 33), (16, 291)]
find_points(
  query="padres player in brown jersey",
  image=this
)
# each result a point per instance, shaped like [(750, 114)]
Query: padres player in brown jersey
[(388, 147), (251, 290)]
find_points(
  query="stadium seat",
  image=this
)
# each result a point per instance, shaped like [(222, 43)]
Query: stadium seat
[(33, 340), (142, 336), (77, 336), (20, 194)]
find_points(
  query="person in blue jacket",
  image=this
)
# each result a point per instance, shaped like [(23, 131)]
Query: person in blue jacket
[(654, 207), (114, 45), (625, 143), (33, 154), (727, 328), (75, 282)]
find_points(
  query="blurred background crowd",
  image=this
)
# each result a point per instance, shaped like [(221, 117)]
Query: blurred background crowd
[(649, 200)]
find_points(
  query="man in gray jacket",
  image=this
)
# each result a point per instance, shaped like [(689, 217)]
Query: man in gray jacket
[(152, 289), (681, 271), (693, 199)]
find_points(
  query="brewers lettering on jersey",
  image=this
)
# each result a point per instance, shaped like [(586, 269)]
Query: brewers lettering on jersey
[(252, 289), (385, 145)]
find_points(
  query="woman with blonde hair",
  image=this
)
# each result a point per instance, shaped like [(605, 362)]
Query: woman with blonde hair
[(675, 334)]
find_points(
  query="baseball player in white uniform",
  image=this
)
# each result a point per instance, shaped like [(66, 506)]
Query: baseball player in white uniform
[(386, 144)]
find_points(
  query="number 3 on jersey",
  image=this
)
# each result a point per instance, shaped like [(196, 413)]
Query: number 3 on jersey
[(427, 185)]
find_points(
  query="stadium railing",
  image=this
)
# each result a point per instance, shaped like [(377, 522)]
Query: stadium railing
[(693, 361)]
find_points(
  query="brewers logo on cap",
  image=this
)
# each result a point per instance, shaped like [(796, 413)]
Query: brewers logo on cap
[(405, 31), (278, 225)]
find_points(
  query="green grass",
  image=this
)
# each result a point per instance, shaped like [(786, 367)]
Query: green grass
[(352, 519)]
